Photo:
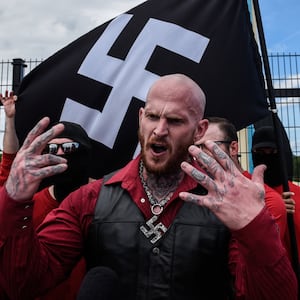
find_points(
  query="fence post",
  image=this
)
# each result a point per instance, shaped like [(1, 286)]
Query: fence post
[(18, 73)]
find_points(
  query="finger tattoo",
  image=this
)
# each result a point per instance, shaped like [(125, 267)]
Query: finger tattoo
[(192, 199), (197, 175)]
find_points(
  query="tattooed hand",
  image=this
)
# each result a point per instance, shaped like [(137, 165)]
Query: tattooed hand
[(30, 166), (234, 199)]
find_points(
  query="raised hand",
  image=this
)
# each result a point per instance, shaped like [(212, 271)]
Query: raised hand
[(30, 166), (8, 101), (234, 199)]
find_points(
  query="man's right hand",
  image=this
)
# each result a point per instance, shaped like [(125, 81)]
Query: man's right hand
[(30, 166)]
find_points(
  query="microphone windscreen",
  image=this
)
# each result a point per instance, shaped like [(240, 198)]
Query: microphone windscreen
[(99, 283)]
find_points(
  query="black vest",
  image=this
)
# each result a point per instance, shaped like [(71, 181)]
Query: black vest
[(189, 262)]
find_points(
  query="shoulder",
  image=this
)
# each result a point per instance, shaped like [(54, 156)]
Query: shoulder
[(83, 200)]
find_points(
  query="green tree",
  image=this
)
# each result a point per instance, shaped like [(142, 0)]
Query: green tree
[(296, 168)]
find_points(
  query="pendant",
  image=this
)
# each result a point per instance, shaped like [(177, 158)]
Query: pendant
[(153, 232), (156, 209)]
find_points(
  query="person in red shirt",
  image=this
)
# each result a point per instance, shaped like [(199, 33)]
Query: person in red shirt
[(10, 139), (264, 150), (73, 144), (224, 133), (10, 144), (161, 224)]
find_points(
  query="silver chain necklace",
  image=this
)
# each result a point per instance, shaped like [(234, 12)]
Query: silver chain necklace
[(157, 207)]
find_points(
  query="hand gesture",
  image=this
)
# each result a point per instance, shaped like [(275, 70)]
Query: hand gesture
[(8, 101), (30, 166), (234, 199)]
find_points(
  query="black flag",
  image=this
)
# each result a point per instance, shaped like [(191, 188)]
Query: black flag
[(101, 79)]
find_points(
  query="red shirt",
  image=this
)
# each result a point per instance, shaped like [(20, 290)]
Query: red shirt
[(6, 162), (276, 206), (296, 189), (43, 204), (257, 257), (68, 289)]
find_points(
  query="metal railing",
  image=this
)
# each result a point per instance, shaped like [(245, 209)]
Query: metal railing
[(286, 81)]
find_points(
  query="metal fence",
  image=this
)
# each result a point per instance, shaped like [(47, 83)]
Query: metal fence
[(286, 81)]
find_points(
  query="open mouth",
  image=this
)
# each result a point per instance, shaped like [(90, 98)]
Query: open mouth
[(157, 148)]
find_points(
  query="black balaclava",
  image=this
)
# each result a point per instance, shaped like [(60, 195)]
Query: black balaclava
[(77, 172), (264, 137), (272, 175)]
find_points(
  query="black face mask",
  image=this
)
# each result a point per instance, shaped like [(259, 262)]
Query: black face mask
[(75, 176), (272, 175)]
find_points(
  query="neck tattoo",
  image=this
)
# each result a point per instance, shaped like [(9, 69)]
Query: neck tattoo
[(157, 206)]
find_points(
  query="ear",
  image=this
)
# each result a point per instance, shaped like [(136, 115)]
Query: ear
[(201, 129), (141, 114), (234, 149)]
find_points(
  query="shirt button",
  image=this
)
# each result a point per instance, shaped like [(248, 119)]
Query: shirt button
[(25, 218), (27, 206), (155, 251), (24, 226), (143, 200)]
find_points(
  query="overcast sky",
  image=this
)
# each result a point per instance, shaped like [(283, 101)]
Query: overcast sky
[(36, 29)]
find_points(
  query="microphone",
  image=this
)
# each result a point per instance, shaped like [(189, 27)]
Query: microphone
[(99, 283)]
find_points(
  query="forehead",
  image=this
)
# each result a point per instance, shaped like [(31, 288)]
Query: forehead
[(60, 140), (173, 95), (213, 132), (168, 106)]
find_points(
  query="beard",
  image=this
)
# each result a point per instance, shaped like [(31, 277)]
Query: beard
[(168, 166)]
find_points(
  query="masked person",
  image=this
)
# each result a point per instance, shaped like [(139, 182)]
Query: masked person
[(264, 151), (161, 224), (74, 145)]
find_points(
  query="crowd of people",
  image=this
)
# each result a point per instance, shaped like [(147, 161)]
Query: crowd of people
[(182, 220)]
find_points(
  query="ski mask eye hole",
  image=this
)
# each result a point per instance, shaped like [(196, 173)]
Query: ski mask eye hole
[(265, 150), (67, 148)]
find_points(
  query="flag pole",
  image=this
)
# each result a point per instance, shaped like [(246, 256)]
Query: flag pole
[(278, 134)]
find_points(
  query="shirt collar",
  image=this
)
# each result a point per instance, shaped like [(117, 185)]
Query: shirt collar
[(129, 175)]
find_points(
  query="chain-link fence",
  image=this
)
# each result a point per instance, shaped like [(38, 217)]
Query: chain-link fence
[(286, 81)]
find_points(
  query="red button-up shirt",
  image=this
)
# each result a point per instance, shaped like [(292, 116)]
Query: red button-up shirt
[(31, 261)]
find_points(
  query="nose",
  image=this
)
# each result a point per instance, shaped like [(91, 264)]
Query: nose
[(161, 129), (60, 151)]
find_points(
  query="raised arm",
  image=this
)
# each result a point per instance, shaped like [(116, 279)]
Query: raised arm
[(10, 139)]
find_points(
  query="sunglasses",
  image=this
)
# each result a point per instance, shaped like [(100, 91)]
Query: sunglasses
[(68, 147)]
